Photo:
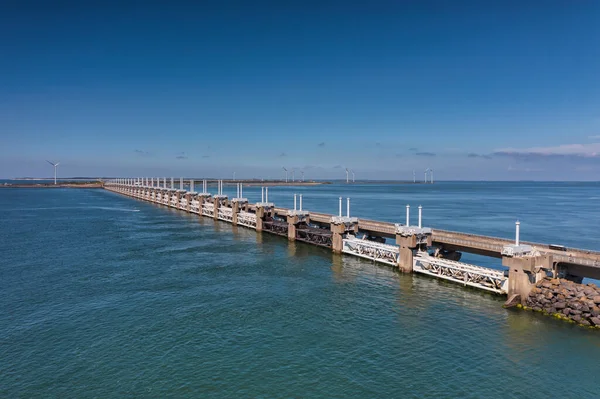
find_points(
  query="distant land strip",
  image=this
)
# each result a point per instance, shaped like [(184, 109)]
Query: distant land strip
[(52, 185)]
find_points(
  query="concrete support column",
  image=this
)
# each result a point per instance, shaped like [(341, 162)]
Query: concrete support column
[(217, 203), (260, 214), (524, 272), (178, 196), (235, 208), (292, 224), (337, 238), (405, 260), (408, 244), (338, 232), (188, 199)]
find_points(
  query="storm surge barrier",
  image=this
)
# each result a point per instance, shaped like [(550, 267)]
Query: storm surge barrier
[(410, 248)]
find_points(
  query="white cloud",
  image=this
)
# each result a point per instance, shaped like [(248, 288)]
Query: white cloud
[(573, 150), (513, 169)]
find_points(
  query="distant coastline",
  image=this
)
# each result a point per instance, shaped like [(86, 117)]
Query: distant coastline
[(85, 184)]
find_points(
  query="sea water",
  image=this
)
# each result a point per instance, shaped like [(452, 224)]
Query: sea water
[(108, 296)]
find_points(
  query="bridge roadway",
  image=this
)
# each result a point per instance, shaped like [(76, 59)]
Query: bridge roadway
[(472, 243)]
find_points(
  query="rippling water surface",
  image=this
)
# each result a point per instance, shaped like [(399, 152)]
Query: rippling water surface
[(107, 296)]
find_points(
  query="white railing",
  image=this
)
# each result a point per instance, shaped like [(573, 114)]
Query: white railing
[(376, 251), (208, 209), (474, 276), (247, 219), (225, 214)]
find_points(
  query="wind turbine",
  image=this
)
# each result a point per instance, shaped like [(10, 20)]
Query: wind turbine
[(55, 167), (352, 175), (426, 170), (431, 175), (347, 176), (293, 174), (302, 175), (414, 177), (286, 174)]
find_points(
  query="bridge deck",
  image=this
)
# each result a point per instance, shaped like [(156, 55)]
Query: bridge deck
[(490, 246)]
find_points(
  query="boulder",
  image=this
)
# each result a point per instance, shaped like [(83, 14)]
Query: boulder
[(585, 308), (566, 299), (530, 302)]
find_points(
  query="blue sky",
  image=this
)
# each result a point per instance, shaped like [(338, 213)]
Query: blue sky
[(498, 90)]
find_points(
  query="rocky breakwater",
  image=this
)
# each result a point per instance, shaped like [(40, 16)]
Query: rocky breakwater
[(564, 299)]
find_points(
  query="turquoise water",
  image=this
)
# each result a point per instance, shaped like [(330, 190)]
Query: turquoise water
[(107, 296)]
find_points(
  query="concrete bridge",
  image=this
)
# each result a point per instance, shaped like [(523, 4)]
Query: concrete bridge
[(417, 249)]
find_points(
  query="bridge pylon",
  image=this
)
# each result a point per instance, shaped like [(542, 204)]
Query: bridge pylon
[(411, 239), (342, 226)]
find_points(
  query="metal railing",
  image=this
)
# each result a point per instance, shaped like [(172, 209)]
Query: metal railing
[(462, 273), (247, 219), (208, 209), (225, 214), (376, 251)]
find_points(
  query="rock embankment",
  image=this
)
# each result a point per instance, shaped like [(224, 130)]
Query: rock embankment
[(579, 303)]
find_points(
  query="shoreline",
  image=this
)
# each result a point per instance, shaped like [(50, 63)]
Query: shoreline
[(250, 183), (52, 185)]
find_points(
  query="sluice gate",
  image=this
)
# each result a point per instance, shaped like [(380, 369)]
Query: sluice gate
[(462, 273)]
